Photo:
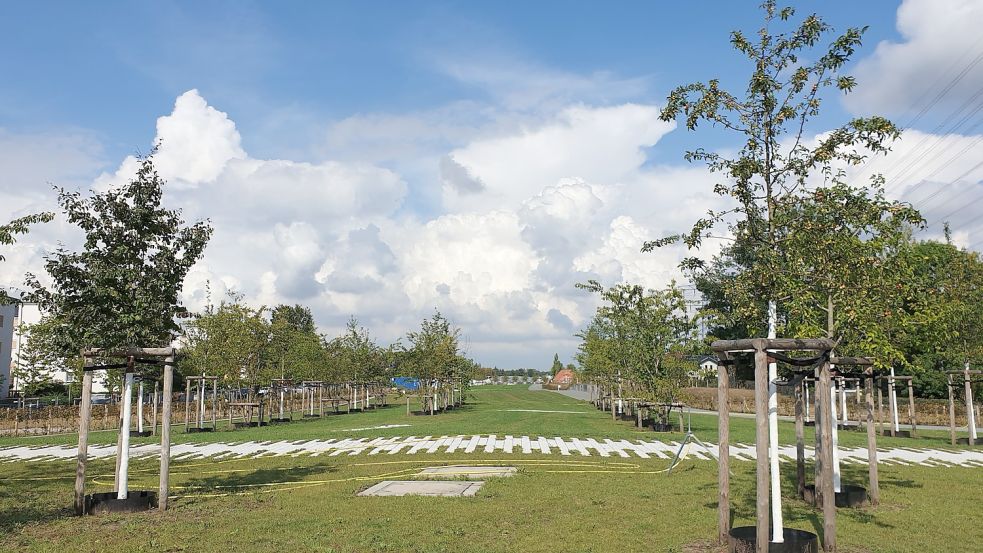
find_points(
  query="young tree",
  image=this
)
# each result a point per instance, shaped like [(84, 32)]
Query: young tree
[(557, 365), (777, 159), (37, 360), (8, 236), (122, 289), (229, 342), (638, 337), (790, 78)]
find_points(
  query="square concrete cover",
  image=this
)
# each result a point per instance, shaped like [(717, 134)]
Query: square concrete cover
[(415, 487), (465, 471)]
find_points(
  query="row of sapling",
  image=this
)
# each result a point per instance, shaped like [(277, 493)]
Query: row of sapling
[(638, 344)]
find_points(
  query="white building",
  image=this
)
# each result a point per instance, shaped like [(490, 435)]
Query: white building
[(13, 338), (7, 315)]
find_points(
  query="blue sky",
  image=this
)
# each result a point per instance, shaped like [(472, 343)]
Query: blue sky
[(382, 159), (113, 67)]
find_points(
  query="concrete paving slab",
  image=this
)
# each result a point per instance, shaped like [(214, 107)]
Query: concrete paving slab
[(465, 471), (399, 488)]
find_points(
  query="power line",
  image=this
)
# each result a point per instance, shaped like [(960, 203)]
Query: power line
[(941, 94)]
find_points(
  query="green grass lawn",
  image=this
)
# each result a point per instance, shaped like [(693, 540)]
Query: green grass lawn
[(553, 504)]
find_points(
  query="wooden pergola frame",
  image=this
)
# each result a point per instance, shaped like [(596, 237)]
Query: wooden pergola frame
[(888, 381), (132, 356), (200, 383), (968, 382), (764, 350)]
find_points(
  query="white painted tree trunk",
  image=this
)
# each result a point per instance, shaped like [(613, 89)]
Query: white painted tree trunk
[(124, 453), (778, 526), (282, 391), (140, 407), (807, 401), (894, 402), (970, 414), (843, 411), (201, 401)]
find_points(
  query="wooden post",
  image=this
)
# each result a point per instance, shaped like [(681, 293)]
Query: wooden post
[(874, 488), (823, 389), (952, 410), (214, 404), (85, 414), (761, 446), (723, 452), (800, 446), (880, 408), (156, 399), (911, 406), (165, 434)]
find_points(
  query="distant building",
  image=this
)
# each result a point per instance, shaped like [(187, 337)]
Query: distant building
[(15, 322), (563, 377), (7, 315)]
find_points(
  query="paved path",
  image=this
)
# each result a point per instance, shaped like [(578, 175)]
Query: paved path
[(509, 445)]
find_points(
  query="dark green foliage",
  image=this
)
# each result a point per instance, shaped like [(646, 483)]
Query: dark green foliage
[(121, 289), (8, 234)]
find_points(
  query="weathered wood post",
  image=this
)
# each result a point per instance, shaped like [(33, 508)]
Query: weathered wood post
[(723, 450), (880, 407), (874, 487), (823, 391), (911, 406), (761, 444), (215, 404), (952, 410), (165, 433), (800, 446), (156, 400), (85, 414)]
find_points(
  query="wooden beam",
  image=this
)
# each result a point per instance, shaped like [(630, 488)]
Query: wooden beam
[(723, 454), (761, 448), (911, 408), (85, 414), (130, 352), (165, 435), (828, 496), (854, 361), (776, 344), (800, 446)]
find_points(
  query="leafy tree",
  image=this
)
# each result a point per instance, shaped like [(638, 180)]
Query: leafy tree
[(557, 365), (8, 235), (122, 289), (357, 357), (775, 178), (297, 317), (433, 356), (947, 298), (638, 337), (37, 360), (229, 341)]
